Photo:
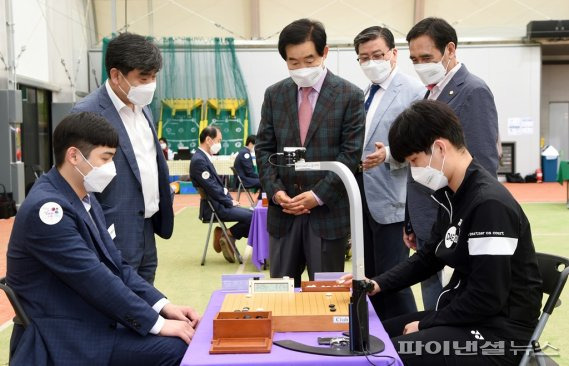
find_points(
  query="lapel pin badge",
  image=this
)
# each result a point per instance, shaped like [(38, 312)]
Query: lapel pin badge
[(451, 92)]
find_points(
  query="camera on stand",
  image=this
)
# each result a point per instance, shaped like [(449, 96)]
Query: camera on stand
[(293, 155)]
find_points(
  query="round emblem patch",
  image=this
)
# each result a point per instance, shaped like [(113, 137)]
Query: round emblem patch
[(205, 175), (51, 213), (247, 156), (451, 237)]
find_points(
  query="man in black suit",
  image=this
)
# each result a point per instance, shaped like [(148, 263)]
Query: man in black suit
[(244, 164)]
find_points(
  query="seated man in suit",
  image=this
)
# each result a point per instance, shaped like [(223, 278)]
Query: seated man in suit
[(244, 164), (204, 175), (86, 304)]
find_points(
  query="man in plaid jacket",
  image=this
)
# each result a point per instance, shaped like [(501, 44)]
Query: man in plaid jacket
[(308, 218)]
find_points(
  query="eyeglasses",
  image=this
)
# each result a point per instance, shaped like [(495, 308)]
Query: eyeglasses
[(375, 57)]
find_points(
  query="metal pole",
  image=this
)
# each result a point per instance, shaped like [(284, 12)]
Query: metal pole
[(114, 16), (11, 55)]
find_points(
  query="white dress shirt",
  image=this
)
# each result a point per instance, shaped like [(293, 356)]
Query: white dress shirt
[(144, 147), (437, 89)]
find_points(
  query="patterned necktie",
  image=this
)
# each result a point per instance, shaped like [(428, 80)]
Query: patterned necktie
[(372, 90), (304, 113)]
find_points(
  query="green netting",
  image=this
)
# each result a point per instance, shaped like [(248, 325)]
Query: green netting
[(195, 71)]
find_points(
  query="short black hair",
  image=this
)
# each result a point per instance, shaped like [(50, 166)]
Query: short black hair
[(85, 131), (163, 139), (438, 29), (251, 140), (129, 51), (300, 31), (209, 131), (417, 127), (372, 33)]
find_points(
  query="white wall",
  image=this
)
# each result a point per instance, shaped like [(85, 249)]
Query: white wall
[(554, 88)]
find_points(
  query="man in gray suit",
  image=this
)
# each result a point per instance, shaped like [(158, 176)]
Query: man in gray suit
[(432, 45), (382, 180), (138, 203)]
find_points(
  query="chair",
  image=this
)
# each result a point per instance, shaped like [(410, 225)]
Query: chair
[(554, 271), (215, 218), (21, 318), (241, 185)]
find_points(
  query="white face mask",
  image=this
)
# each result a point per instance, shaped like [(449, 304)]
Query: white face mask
[(215, 148), (377, 71), (140, 95), (430, 177), (307, 76), (99, 177), (163, 146), (432, 72)]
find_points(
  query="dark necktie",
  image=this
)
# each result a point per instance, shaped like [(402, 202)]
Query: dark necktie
[(372, 90)]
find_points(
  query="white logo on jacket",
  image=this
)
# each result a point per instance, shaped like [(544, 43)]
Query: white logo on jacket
[(451, 237)]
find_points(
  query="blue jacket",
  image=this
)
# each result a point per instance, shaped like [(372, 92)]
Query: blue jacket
[(385, 185), (204, 175), (71, 280), (122, 200), (244, 166)]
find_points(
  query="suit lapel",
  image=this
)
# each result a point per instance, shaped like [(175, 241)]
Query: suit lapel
[(111, 114), (323, 106), (388, 98), (454, 85)]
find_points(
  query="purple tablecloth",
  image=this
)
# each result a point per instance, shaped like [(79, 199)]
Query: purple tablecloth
[(198, 350), (259, 236)]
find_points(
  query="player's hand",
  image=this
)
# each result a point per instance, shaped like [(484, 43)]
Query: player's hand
[(411, 327), (178, 328), (375, 158), (183, 313), (236, 203), (348, 278), (410, 240)]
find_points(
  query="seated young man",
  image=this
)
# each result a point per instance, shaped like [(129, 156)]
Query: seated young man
[(244, 164), (492, 302), (204, 175), (86, 305)]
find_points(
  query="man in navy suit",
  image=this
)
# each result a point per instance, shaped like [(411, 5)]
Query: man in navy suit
[(244, 164), (382, 180), (432, 46), (138, 203), (204, 175), (87, 306)]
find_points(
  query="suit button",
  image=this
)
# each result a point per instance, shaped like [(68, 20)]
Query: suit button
[(141, 213)]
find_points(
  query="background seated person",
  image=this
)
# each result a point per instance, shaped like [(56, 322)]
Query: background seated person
[(494, 295), (168, 153), (86, 304), (204, 175), (244, 164)]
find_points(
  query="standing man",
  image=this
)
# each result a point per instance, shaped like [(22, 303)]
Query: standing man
[(382, 180), (432, 45), (244, 164), (308, 218), (138, 203)]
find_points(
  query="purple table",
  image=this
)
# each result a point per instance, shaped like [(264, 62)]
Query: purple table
[(259, 236), (198, 350)]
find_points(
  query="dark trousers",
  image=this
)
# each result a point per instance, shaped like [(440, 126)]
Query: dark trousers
[(303, 247), (243, 216), (384, 249), (149, 261), (464, 345)]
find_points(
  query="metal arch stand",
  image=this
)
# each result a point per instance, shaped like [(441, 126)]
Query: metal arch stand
[(360, 340)]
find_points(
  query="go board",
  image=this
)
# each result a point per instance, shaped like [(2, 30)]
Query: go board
[(298, 311)]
